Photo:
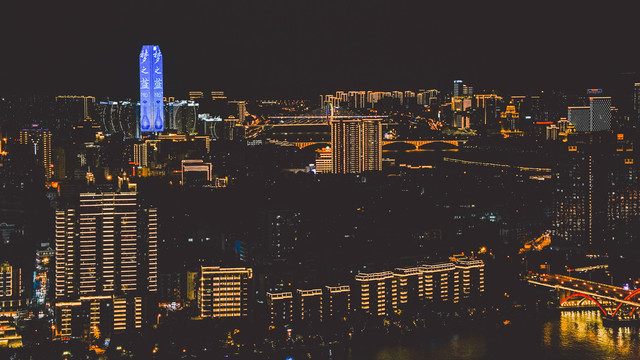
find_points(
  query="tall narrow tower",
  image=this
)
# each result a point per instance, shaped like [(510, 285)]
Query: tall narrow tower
[(151, 89)]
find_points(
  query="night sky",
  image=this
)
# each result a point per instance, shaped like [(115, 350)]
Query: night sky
[(302, 48)]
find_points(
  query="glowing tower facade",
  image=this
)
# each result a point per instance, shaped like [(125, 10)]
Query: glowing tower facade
[(151, 89)]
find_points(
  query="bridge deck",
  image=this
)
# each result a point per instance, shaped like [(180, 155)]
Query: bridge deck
[(593, 289)]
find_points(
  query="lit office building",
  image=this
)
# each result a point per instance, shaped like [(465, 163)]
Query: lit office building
[(141, 154), (106, 263), (323, 160), (579, 117), (595, 117), (308, 305), (182, 116), (39, 142), (196, 172), (10, 290), (117, 117), (280, 308), (378, 293), (242, 110), (224, 292), (457, 88), (563, 125), (599, 113), (336, 302), (552, 132), (356, 145), (510, 119)]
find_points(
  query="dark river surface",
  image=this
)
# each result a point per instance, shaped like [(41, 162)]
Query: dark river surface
[(576, 335)]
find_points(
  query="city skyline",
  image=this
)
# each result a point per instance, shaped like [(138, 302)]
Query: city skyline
[(316, 180)]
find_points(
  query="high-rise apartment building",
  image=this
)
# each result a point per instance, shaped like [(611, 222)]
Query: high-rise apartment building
[(636, 104), (224, 292), (106, 263), (284, 233), (39, 142), (378, 293), (11, 300), (141, 154), (623, 194), (579, 191), (280, 308), (356, 145), (471, 273), (308, 305), (385, 292), (336, 303)]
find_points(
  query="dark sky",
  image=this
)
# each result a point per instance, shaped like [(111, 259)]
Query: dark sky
[(300, 48)]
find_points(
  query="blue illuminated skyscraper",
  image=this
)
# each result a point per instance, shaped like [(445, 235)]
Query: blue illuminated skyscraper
[(151, 89)]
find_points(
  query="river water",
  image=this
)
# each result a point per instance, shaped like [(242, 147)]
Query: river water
[(577, 335)]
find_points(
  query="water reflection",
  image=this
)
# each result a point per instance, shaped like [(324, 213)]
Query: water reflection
[(569, 335)]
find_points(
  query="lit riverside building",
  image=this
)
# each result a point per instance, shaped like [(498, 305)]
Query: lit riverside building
[(336, 303), (280, 308), (106, 264), (309, 305), (224, 292), (385, 292), (39, 140), (356, 145)]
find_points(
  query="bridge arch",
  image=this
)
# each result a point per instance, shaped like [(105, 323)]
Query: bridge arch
[(313, 145), (628, 297), (439, 145), (587, 297), (399, 145)]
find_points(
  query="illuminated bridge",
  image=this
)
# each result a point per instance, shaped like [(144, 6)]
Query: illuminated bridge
[(416, 143), (614, 302)]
